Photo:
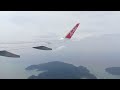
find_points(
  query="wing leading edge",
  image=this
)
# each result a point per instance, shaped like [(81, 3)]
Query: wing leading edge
[(68, 37)]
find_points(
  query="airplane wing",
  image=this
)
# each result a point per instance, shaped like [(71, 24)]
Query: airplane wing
[(61, 41), (47, 45)]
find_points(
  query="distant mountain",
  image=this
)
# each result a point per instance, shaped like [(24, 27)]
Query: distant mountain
[(60, 70), (113, 70)]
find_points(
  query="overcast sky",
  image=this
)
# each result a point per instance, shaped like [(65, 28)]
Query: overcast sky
[(19, 25)]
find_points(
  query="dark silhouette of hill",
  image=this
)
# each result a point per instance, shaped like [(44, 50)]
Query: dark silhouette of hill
[(60, 70), (113, 70)]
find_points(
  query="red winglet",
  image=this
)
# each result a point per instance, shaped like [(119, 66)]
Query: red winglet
[(70, 34)]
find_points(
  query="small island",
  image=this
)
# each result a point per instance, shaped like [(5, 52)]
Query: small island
[(60, 70), (113, 70)]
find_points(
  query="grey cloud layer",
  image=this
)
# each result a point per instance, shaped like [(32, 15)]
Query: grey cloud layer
[(17, 23)]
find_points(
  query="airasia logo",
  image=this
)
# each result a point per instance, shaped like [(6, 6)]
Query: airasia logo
[(72, 32)]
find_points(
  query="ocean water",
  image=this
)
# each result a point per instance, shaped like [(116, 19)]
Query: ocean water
[(14, 68)]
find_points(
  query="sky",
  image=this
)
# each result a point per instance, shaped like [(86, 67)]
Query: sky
[(19, 25), (28, 26)]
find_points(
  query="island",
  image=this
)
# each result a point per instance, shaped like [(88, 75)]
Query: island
[(60, 70), (113, 70)]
